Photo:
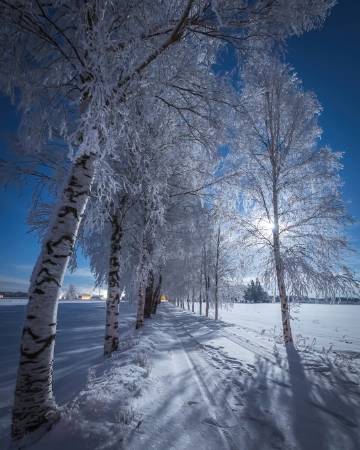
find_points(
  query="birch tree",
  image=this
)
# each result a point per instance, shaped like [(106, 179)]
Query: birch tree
[(292, 212), (72, 65)]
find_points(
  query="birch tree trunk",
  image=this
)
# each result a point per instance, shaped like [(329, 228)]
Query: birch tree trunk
[(207, 288), (207, 284), (149, 294), (279, 267), (34, 404), (111, 342), (156, 297), (142, 288), (140, 308), (285, 312), (200, 295), (216, 293), (193, 301)]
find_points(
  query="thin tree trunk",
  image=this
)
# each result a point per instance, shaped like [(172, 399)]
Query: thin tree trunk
[(142, 287), (34, 404), (285, 312), (156, 297), (216, 291), (140, 308), (200, 295), (207, 300), (193, 301), (111, 342), (207, 285), (149, 294)]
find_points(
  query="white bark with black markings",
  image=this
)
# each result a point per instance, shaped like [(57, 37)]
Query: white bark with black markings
[(140, 308), (279, 269), (111, 342), (216, 290), (34, 404)]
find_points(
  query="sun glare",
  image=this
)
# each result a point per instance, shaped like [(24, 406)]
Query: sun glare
[(265, 227)]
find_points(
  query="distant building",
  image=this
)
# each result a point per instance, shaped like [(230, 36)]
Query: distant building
[(97, 297), (163, 298), (85, 297), (1, 296)]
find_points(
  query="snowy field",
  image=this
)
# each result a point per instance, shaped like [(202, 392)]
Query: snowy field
[(185, 381), (320, 325)]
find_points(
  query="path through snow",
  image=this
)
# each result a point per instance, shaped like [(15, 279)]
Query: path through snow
[(213, 386)]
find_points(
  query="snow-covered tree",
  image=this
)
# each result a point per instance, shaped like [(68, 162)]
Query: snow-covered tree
[(290, 209), (255, 293), (71, 293)]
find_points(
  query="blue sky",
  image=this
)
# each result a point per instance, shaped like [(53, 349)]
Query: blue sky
[(328, 62)]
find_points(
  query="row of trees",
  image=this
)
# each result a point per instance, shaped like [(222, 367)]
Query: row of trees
[(278, 198), (253, 293), (163, 170)]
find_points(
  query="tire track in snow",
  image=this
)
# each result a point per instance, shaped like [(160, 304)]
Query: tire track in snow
[(196, 364), (256, 349), (236, 339)]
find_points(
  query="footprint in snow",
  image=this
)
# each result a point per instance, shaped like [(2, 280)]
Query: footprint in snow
[(214, 423)]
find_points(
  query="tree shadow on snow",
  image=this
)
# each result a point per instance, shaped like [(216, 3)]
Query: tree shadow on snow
[(309, 428), (306, 402)]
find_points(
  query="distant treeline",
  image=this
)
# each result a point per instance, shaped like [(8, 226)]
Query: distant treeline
[(17, 294), (325, 301), (333, 301)]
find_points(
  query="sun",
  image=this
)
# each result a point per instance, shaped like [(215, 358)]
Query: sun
[(265, 227)]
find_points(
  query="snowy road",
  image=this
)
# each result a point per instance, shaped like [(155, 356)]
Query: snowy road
[(187, 407)]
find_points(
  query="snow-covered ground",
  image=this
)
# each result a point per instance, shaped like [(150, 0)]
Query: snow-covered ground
[(185, 381), (320, 325)]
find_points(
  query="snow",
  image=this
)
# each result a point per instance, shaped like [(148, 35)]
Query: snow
[(320, 325), (185, 381)]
